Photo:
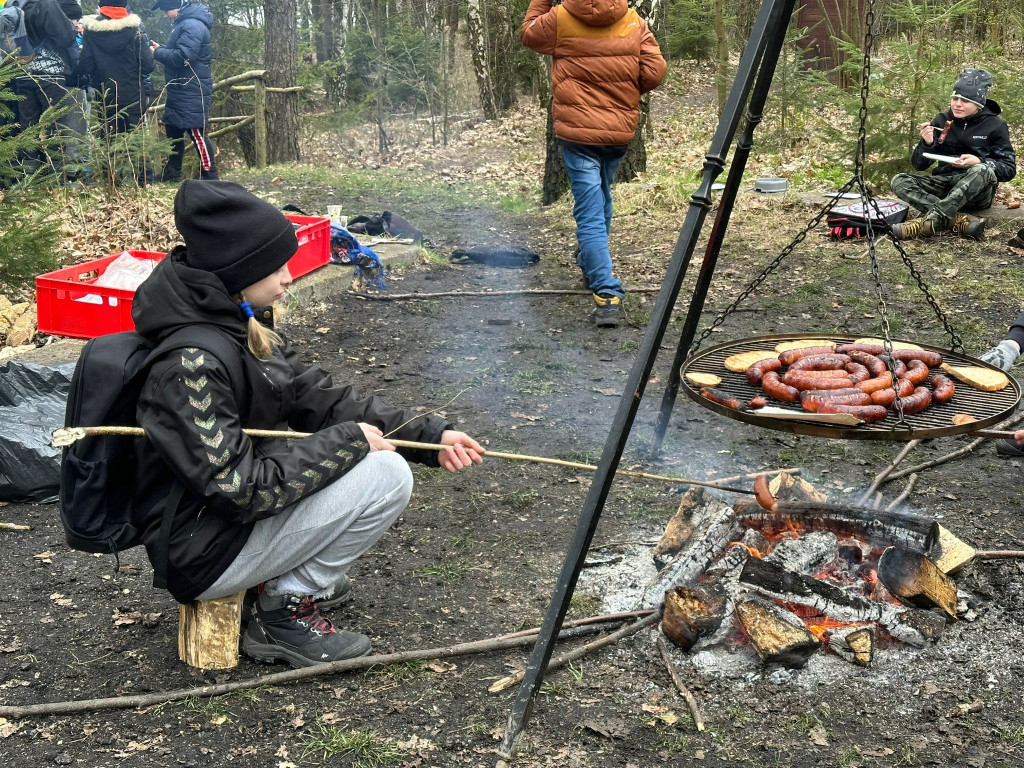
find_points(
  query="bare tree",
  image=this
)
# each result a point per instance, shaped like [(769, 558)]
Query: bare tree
[(493, 42), (280, 57)]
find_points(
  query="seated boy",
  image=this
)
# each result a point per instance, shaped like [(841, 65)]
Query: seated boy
[(972, 132)]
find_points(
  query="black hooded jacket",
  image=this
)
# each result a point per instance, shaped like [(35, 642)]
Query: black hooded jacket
[(193, 430), (116, 57), (983, 134)]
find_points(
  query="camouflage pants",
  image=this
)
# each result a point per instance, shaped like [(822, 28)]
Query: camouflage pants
[(940, 198)]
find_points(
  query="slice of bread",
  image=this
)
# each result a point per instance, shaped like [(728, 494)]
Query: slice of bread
[(981, 378), (704, 379), (801, 343), (739, 363), (881, 343), (962, 418)]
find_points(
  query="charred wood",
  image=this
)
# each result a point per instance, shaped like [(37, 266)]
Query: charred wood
[(888, 528), (914, 627), (856, 645), (807, 554), (917, 581), (692, 612), (786, 487), (778, 636), (719, 530)]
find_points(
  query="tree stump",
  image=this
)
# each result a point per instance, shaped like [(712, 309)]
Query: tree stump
[(208, 632)]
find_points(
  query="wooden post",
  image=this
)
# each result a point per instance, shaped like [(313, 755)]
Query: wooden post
[(208, 632), (260, 106)]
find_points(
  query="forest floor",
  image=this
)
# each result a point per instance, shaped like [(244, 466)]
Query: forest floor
[(476, 555)]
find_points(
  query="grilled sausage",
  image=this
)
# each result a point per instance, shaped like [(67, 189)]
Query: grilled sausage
[(871, 349), (875, 366), (802, 381), (813, 400), (943, 387), (929, 358), (772, 384), (899, 365), (876, 383), (917, 400), (758, 369), (916, 373), (865, 412), (790, 356), (858, 372), (887, 396), (819, 363), (722, 398), (763, 494)]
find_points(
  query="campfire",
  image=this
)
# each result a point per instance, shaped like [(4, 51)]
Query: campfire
[(790, 575)]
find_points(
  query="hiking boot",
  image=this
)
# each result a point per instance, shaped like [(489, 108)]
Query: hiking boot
[(1009, 448), (911, 229), (340, 593), (968, 226), (608, 312), (289, 627)]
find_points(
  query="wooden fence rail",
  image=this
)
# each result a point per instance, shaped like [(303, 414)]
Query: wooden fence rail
[(259, 116)]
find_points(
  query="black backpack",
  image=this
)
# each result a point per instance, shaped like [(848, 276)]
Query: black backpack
[(97, 472)]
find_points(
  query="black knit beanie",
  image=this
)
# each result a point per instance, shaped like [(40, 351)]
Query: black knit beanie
[(232, 233), (973, 85), (71, 9)]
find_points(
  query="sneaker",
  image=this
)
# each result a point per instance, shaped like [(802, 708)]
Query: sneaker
[(916, 228), (968, 226), (290, 628), (608, 312), (1009, 447)]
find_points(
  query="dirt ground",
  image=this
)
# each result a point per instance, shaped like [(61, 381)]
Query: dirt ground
[(476, 555)]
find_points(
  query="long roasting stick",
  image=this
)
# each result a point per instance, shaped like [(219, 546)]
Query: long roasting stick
[(68, 435)]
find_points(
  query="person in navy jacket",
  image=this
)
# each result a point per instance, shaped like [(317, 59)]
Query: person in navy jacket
[(186, 59)]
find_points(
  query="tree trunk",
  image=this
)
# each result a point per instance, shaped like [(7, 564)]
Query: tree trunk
[(556, 177), (280, 59), (722, 57), (476, 22), (635, 161)]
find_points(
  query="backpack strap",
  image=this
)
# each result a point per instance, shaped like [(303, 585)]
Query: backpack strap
[(229, 352)]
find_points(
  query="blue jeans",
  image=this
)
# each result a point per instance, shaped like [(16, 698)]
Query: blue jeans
[(591, 170)]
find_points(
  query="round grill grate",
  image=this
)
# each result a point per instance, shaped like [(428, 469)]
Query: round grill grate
[(988, 408)]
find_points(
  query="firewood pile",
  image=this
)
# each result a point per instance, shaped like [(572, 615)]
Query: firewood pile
[(17, 322), (791, 575)]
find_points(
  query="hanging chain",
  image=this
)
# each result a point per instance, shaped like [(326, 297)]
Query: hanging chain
[(865, 86), (772, 266)]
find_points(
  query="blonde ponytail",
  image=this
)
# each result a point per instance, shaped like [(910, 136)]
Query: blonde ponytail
[(262, 341)]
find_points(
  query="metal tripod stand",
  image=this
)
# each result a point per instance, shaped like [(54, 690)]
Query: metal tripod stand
[(749, 91)]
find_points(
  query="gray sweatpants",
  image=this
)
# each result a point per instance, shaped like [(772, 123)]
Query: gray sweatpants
[(323, 534)]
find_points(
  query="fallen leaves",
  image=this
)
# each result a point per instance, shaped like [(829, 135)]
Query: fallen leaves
[(127, 618)]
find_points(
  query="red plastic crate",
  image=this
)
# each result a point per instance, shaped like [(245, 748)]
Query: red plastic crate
[(314, 244), (67, 304)]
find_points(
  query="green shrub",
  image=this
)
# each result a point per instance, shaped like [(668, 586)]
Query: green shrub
[(688, 31)]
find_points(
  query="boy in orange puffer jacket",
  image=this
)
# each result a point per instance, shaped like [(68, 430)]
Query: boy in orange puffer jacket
[(604, 59)]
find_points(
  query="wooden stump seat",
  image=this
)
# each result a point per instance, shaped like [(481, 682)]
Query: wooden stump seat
[(208, 632)]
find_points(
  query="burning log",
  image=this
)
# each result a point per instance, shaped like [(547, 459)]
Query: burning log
[(720, 528), (754, 539), (916, 580), (679, 528), (914, 627), (697, 615), (807, 554), (855, 644), (777, 635), (692, 612), (891, 528)]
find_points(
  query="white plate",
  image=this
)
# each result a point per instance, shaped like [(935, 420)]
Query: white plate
[(844, 195), (941, 158)]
